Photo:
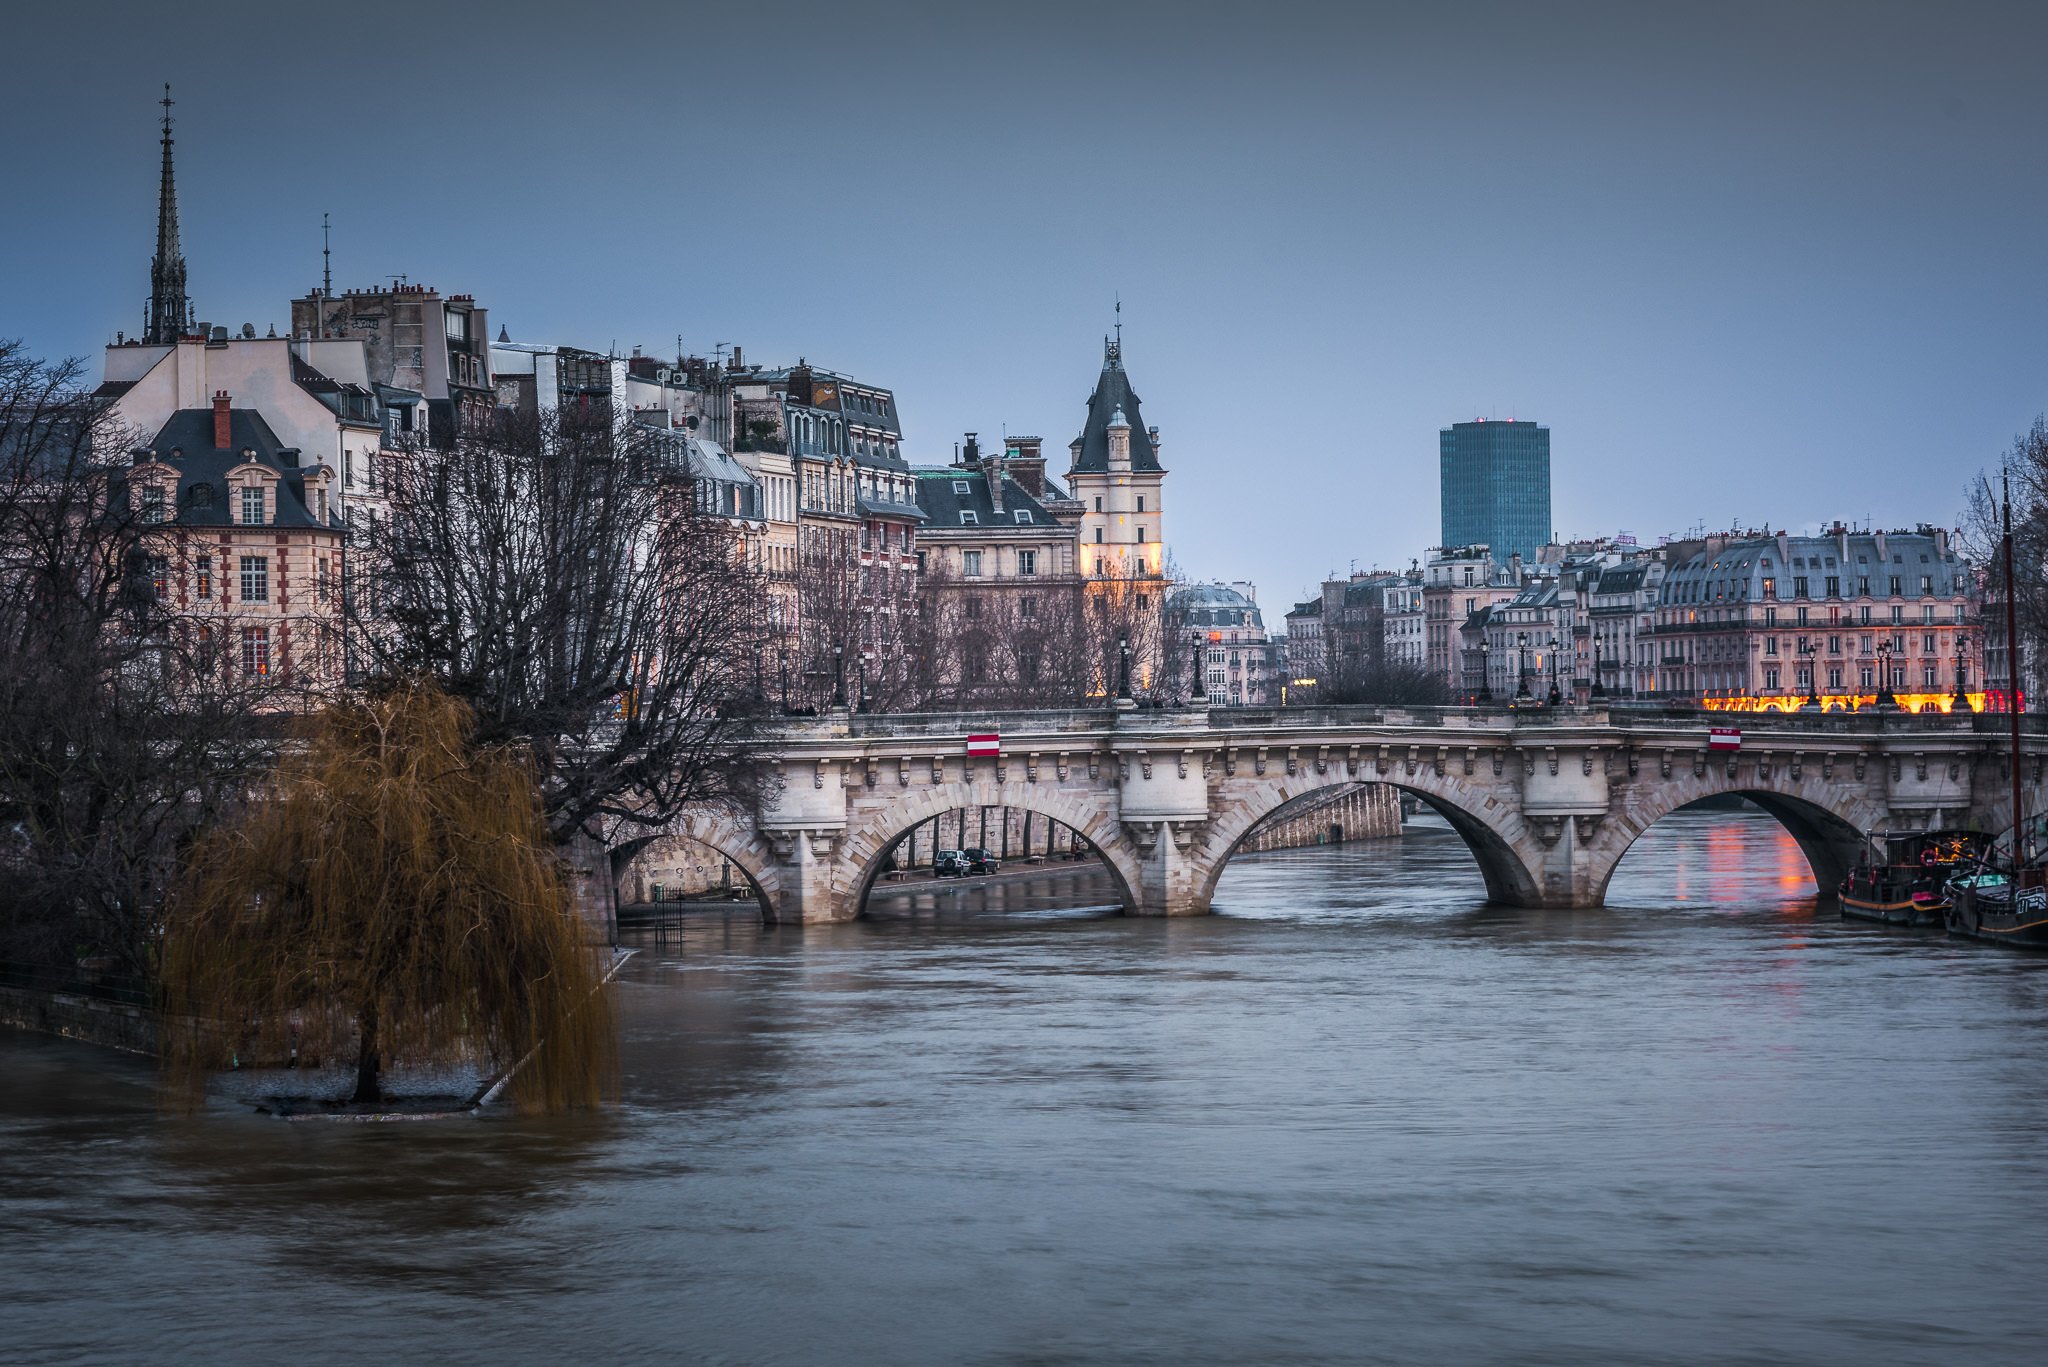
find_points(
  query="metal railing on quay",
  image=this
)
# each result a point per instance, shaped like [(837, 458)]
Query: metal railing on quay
[(70, 980)]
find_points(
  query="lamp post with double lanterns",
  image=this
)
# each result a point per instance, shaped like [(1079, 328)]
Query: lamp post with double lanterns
[(1812, 668), (1884, 674), (1555, 696), (1521, 666)]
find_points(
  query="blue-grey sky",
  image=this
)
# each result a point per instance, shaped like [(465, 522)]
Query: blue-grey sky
[(1775, 263)]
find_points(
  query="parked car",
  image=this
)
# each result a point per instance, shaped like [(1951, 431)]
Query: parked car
[(949, 864), (980, 860)]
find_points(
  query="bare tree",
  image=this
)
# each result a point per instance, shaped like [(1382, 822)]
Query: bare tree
[(1128, 612), (553, 573), (1370, 677), (122, 730), (2025, 466)]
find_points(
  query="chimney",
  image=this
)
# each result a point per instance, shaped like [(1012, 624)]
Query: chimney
[(223, 422), (992, 469), (971, 457)]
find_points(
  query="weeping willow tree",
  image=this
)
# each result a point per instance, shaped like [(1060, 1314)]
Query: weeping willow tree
[(393, 897)]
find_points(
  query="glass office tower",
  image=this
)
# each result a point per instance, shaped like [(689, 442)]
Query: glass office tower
[(1496, 486)]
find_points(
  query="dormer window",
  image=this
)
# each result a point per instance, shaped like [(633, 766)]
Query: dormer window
[(961, 486), (1023, 516), (968, 518), (252, 506), (202, 495), (152, 503)]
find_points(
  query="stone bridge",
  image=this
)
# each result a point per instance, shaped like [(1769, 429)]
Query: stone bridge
[(1549, 801)]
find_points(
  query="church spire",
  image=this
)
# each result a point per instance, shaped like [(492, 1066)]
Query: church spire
[(170, 308)]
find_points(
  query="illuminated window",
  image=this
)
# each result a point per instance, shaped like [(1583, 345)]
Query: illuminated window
[(205, 576), (255, 650)]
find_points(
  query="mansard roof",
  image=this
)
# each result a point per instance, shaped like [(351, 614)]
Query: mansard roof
[(1113, 394), (943, 502), (185, 442)]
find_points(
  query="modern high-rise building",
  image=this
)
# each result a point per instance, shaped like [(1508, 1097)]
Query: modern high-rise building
[(1496, 487)]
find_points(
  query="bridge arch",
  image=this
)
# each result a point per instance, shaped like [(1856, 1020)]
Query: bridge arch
[(1829, 822), (731, 837), (877, 825), (1487, 831)]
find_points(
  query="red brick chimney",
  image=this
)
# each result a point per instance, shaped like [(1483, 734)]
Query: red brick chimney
[(223, 425)]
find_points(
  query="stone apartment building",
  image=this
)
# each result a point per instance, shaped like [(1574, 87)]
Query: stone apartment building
[(1457, 582), (999, 574), (249, 544), (1759, 619), (1622, 614), (857, 520), (1305, 657), (1222, 626), (429, 351)]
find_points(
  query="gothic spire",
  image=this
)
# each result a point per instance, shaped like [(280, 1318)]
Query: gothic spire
[(170, 308)]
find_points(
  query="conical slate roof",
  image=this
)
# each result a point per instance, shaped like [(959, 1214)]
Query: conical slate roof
[(1113, 394)]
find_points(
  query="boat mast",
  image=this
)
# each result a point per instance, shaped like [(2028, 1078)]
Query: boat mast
[(2012, 668)]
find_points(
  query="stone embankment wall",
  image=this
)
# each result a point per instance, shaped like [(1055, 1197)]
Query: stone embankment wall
[(1371, 809), (116, 1025)]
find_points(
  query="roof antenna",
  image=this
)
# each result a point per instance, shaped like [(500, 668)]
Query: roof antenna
[(326, 261)]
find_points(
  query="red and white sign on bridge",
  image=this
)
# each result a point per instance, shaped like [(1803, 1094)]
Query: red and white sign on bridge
[(987, 746), (1724, 738)]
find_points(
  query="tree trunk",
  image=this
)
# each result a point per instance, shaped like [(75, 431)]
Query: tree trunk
[(367, 1093)]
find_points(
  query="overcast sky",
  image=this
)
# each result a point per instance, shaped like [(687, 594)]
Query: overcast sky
[(1780, 263)]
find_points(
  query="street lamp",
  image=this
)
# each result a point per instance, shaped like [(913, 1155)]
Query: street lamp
[(1198, 691), (1123, 677), (838, 676), (1485, 674), (1884, 674), (1521, 665), (1555, 697), (1812, 667), (1961, 701), (860, 666), (1599, 687)]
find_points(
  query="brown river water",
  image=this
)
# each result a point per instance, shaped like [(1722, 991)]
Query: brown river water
[(1357, 1116)]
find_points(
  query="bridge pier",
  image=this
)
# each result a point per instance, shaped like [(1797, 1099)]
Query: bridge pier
[(1171, 881)]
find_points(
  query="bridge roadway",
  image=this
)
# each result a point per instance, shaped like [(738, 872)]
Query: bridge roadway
[(1548, 800)]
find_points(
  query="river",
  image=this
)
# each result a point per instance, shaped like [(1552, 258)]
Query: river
[(1357, 1116)]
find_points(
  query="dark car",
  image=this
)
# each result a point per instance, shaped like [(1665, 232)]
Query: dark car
[(980, 860), (949, 864)]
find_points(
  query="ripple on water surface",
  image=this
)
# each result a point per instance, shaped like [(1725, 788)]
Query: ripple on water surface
[(1356, 1116)]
